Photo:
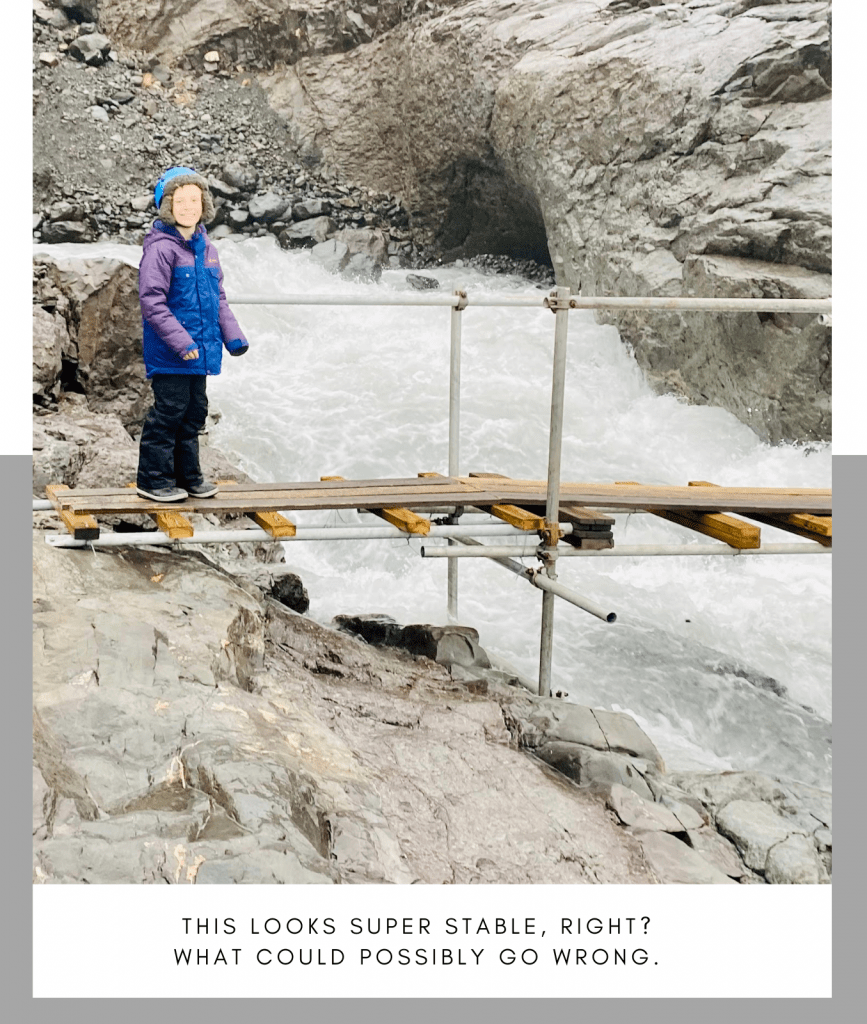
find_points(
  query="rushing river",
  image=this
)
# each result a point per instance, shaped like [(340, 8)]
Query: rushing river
[(725, 662)]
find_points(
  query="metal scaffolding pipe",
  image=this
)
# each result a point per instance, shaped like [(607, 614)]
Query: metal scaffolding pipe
[(255, 535), (638, 551), (550, 587), (552, 504), (454, 434), (685, 304)]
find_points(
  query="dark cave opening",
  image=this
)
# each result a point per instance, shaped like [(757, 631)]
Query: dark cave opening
[(489, 212)]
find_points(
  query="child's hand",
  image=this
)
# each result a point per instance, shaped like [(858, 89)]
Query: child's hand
[(191, 355)]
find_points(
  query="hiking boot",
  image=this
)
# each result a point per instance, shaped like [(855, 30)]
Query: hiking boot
[(161, 493), (203, 490)]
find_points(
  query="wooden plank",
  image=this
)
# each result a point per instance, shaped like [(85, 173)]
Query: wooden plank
[(82, 527), (274, 524), (538, 511), (402, 518), (817, 528), (173, 523), (278, 503), (734, 532), (170, 520), (443, 491)]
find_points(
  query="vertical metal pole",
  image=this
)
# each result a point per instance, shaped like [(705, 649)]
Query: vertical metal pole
[(454, 434), (560, 297)]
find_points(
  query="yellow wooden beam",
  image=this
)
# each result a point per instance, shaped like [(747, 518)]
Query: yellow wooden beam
[(403, 519), (82, 527), (802, 524), (515, 516), (274, 523), (734, 532), (173, 524)]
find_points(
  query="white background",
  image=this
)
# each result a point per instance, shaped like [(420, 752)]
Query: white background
[(702, 941)]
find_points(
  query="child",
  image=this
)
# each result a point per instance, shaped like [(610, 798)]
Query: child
[(186, 321)]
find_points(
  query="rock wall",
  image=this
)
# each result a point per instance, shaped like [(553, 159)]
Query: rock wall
[(667, 149)]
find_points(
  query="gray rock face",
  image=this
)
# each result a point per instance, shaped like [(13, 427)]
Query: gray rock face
[(253, 32), (628, 143), (49, 334), (188, 731), (99, 301)]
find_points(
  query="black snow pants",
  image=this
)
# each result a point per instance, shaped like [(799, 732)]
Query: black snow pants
[(169, 445)]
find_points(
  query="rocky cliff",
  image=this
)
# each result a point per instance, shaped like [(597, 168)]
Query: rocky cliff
[(642, 147), (654, 148)]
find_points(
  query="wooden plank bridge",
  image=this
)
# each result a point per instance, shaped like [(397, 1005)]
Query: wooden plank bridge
[(700, 506)]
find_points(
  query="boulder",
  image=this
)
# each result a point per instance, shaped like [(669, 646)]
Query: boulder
[(794, 861), (93, 48), (672, 861), (240, 176), (57, 231), (446, 645), (595, 769), (310, 208), (639, 814), (331, 254), (268, 207), (104, 320), (718, 851), (754, 828), (421, 282), (307, 232)]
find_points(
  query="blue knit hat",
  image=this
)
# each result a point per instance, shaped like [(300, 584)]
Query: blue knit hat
[(172, 179)]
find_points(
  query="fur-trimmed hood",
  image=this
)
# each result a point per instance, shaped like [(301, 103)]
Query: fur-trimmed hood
[(175, 182)]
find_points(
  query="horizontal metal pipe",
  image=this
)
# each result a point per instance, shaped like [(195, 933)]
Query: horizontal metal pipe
[(41, 505), (539, 300), (691, 303), (384, 532), (638, 550)]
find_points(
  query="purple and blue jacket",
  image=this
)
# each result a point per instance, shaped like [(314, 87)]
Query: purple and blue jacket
[(183, 305)]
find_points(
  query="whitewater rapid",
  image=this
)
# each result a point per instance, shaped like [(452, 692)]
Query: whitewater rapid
[(726, 662)]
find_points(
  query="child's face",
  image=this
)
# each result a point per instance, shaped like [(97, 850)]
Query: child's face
[(187, 205)]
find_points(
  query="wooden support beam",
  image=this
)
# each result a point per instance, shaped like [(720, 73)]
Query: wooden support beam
[(817, 528), (274, 524), (732, 531), (173, 524), (402, 518), (82, 527)]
